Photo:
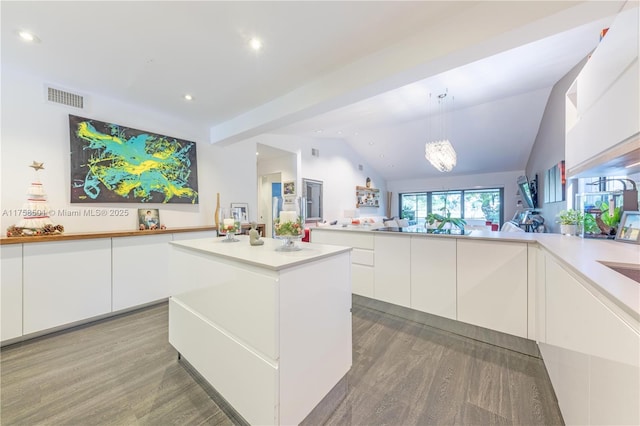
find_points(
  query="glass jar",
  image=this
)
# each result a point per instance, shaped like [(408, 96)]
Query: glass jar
[(229, 226), (288, 222)]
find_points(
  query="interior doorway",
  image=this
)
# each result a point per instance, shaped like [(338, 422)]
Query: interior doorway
[(269, 186), (274, 166)]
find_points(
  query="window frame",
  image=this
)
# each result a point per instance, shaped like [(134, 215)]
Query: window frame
[(429, 199)]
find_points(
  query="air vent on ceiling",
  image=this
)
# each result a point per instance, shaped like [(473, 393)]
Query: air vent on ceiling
[(315, 152), (66, 98), (360, 167)]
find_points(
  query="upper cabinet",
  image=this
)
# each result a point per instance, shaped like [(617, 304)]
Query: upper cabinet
[(367, 197), (603, 105)]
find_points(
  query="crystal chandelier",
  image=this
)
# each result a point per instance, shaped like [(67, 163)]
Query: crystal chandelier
[(440, 153)]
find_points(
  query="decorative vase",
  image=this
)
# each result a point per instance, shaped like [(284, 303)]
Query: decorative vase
[(216, 215), (229, 226), (569, 229), (288, 224)]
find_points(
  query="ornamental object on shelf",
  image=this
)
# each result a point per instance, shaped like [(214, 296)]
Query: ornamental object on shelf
[(35, 211)]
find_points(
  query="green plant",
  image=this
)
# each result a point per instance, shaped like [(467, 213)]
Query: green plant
[(570, 217), (607, 217), (590, 225), (408, 214), (445, 218), (288, 228)]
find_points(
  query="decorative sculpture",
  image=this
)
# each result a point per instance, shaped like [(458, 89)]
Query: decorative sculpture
[(254, 236)]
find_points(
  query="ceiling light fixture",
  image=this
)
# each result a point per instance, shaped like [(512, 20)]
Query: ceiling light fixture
[(188, 97), (440, 153), (255, 43)]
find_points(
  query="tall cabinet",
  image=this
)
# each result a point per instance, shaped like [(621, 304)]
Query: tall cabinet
[(603, 103)]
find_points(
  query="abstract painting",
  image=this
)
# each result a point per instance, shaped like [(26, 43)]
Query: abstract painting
[(111, 163)]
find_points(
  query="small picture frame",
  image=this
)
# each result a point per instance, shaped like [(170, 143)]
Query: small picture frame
[(629, 228), (288, 188), (148, 219), (240, 212)]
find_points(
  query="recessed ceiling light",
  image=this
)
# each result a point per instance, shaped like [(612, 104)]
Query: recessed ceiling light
[(28, 36), (319, 131), (255, 43), (188, 97), (371, 143), (381, 155), (257, 153)]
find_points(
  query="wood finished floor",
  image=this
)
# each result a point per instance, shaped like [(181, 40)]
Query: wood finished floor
[(122, 371)]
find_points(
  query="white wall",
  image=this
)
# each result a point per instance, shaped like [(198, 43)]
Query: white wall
[(34, 129), (286, 165), (506, 180), (336, 167)]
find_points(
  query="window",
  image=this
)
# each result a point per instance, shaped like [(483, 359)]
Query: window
[(470, 204), (483, 204), (413, 207)]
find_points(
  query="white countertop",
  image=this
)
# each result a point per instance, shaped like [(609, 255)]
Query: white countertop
[(583, 256), (264, 256), (579, 254)]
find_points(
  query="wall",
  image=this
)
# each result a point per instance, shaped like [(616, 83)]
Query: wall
[(34, 129), (336, 167), (549, 146), (506, 180)]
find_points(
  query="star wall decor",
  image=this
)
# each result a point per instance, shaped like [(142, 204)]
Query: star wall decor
[(37, 166)]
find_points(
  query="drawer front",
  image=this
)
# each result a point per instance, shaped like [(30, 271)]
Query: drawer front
[(362, 240), (362, 257)]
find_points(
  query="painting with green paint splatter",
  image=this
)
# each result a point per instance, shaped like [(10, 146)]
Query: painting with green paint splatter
[(116, 164)]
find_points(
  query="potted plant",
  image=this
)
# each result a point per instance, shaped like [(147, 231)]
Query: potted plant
[(438, 221), (570, 221)]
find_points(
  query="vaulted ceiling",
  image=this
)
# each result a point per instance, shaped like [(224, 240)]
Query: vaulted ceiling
[(358, 71)]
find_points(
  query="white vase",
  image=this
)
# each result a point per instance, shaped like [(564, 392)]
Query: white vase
[(569, 229)]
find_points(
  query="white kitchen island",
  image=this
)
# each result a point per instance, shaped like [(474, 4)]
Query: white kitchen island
[(269, 330)]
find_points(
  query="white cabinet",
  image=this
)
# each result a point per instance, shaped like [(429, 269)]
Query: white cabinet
[(592, 355), (140, 270), (538, 318), (362, 280), (393, 269), (11, 293), (65, 282), (433, 276), (273, 340), (492, 285), (362, 256), (603, 105), (180, 236), (51, 284)]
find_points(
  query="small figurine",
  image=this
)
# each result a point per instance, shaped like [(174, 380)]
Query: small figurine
[(254, 236)]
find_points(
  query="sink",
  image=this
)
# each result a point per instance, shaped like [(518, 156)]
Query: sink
[(630, 270)]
